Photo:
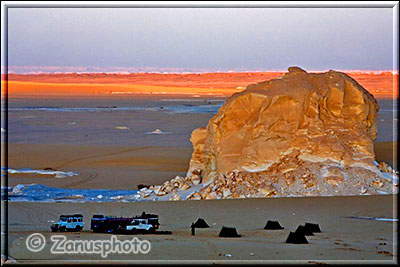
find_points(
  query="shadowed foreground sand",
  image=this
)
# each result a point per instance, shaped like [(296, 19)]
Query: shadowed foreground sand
[(342, 238)]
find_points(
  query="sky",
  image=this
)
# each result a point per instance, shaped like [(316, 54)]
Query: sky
[(213, 39)]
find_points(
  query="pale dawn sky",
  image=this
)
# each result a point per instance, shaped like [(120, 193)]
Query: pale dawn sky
[(202, 38)]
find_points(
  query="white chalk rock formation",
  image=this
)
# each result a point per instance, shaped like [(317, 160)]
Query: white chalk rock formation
[(304, 134)]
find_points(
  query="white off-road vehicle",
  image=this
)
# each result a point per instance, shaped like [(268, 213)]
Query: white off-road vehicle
[(68, 223), (139, 226)]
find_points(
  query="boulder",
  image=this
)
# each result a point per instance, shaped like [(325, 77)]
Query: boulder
[(303, 134)]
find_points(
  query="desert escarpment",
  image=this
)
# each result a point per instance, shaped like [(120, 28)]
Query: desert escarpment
[(381, 84), (303, 134)]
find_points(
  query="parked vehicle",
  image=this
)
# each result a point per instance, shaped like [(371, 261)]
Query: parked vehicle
[(151, 219), (110, 224), (139, 226), (68, 223)]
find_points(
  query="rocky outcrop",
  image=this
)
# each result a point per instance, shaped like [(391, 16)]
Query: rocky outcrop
[(303, 134)]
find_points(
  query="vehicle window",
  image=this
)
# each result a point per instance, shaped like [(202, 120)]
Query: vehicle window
[(74, 220)]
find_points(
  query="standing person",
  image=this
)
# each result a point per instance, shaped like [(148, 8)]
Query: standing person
[(193, 229)]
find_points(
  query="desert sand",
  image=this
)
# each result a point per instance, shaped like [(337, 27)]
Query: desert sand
[(129, 166), (342, 239), (118, 167), (118, 158), (380, 84)]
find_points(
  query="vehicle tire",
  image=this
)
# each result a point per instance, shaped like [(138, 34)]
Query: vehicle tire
[(119, 230), (63, 229), (77, 228), (53, 230)]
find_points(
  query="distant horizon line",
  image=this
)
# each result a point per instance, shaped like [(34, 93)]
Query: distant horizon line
[(157, 70)]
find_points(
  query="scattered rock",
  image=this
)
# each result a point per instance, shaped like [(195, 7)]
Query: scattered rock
[(158, 131), (141, 186), (176, 197), (384, 167), (196, 196), (122, 128), (386, 253), (226, 192), (211, 195), (196, 179), (184, 186)]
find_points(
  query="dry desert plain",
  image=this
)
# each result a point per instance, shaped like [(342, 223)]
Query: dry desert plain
[(70, 122), (380, 84)]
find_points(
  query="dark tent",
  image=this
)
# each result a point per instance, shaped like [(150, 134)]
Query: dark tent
[(296, 238), (201, 223), (273, 225), (312, 227), (301, 229), (228, 232)]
